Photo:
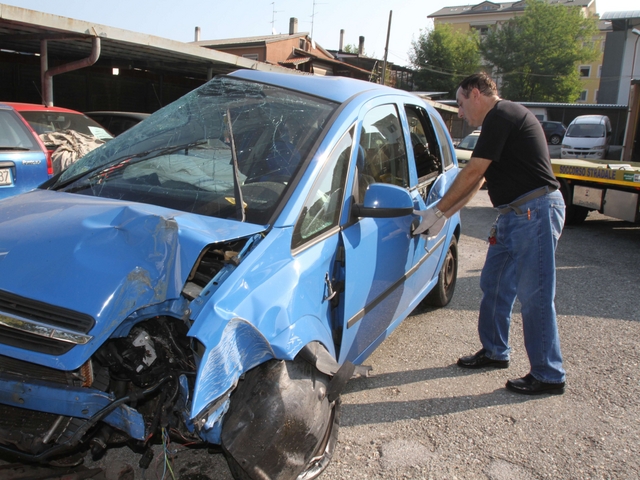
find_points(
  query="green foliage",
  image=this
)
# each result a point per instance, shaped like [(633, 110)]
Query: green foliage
[(351, 48), (536, 54), (443, 57)]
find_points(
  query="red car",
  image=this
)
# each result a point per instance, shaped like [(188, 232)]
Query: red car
[(49, 120)]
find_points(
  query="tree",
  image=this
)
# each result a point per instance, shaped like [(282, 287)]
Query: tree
[(351, 48), (536, 54), (443, 57)]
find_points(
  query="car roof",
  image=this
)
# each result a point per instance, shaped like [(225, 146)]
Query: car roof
[(589, 119), (24, 107), (338, 89)]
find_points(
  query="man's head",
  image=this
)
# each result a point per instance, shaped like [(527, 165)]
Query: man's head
[(476, 95)]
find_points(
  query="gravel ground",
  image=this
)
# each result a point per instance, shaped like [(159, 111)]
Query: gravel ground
[(422, 417)]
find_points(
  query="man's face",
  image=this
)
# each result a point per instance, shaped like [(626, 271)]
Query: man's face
[(468, 108)]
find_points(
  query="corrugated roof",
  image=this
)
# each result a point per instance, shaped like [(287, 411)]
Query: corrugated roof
[(21, 30), (564, 105), (225, 42), (628, 15), (500, 7)]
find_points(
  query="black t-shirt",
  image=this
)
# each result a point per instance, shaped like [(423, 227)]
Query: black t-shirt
[(513, 139)]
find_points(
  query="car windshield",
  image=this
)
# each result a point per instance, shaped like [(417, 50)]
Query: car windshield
[(46, 122), (228, 149), (585, 130), (468, 142)]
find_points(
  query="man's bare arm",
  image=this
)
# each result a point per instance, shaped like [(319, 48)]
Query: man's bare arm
[(465, 186)]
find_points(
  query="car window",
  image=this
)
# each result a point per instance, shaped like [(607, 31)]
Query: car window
[(468, 142), (321, 210), (383, 149), (184, 156), (426, 150), (47, 122), (14, 134), (447, 156), (587, 130)]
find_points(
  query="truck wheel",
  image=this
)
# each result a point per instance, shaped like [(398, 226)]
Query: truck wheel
[(280, 423), (442, 293), (574, 214)]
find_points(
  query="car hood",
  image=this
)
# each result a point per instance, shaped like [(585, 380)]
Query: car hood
[(102, 257)]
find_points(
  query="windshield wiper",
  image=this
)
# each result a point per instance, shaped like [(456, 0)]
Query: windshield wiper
[(126, 160), (21, 149), (237, 191)]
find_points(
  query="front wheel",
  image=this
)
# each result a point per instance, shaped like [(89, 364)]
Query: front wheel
[(280, 423), (555, 139), (442, 293)]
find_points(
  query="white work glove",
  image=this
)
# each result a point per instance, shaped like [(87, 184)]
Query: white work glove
[(430, 223)]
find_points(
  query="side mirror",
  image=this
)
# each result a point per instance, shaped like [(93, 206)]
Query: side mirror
[(382, 200)]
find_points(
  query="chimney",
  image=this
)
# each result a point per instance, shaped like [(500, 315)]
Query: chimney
[(361, 46), (293, 26), (341, 45), (197, 34)]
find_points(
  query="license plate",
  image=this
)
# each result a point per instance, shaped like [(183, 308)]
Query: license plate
[(5, 176)]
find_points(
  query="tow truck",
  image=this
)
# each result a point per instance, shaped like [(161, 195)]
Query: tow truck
[(611, 187)]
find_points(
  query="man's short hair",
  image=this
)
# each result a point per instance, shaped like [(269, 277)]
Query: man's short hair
[(483, 82)]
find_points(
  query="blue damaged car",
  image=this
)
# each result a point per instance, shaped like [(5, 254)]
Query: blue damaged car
[(220, 271)]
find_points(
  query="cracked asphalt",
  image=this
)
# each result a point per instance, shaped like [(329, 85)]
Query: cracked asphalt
[(422, 417)]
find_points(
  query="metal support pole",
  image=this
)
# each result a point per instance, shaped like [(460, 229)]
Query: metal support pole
[(386, 51)]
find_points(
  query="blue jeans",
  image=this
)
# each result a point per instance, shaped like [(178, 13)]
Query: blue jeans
[(521, 263)]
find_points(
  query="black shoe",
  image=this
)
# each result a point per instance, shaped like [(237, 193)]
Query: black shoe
[(530, 386), (480, 360)]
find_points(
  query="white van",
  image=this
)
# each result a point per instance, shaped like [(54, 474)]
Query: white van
[(588, 136)]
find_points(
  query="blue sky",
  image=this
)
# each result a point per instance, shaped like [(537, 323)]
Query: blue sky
[(242, 18)]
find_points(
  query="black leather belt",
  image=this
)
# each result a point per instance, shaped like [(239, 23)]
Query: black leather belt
[(515, 206)]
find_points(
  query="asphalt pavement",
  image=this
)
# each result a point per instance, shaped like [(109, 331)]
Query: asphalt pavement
[(422, 417)]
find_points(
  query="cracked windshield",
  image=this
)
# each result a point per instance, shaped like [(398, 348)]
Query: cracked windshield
[(229, 149)]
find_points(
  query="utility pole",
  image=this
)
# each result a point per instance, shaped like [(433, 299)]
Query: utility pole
[(386, 51)]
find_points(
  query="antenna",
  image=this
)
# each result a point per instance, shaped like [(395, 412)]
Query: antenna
[(313, 16), (273, 18)]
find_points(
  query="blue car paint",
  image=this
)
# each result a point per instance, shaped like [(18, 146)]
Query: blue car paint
[(269, 306), (21, 154), (69, 401), (155, 250)]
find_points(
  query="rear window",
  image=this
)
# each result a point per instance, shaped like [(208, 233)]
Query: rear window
[(14, 134), (47, 122)]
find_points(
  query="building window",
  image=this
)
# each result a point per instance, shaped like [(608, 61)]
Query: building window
[(583, 96), (599, 71), (251, 56), (602, 46), (303, 44), (596, 96), (481, 29), (585, 70)]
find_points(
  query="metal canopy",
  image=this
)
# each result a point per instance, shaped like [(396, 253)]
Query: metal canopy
[(22, 31)]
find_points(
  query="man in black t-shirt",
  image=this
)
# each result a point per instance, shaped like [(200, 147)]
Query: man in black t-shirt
[(512, 156)]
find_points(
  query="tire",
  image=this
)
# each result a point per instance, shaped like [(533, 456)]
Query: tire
[(280, 423), (574, 214), (442, 293), (555, 139)]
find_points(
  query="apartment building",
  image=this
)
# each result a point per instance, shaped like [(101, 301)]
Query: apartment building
[(486, 15)]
